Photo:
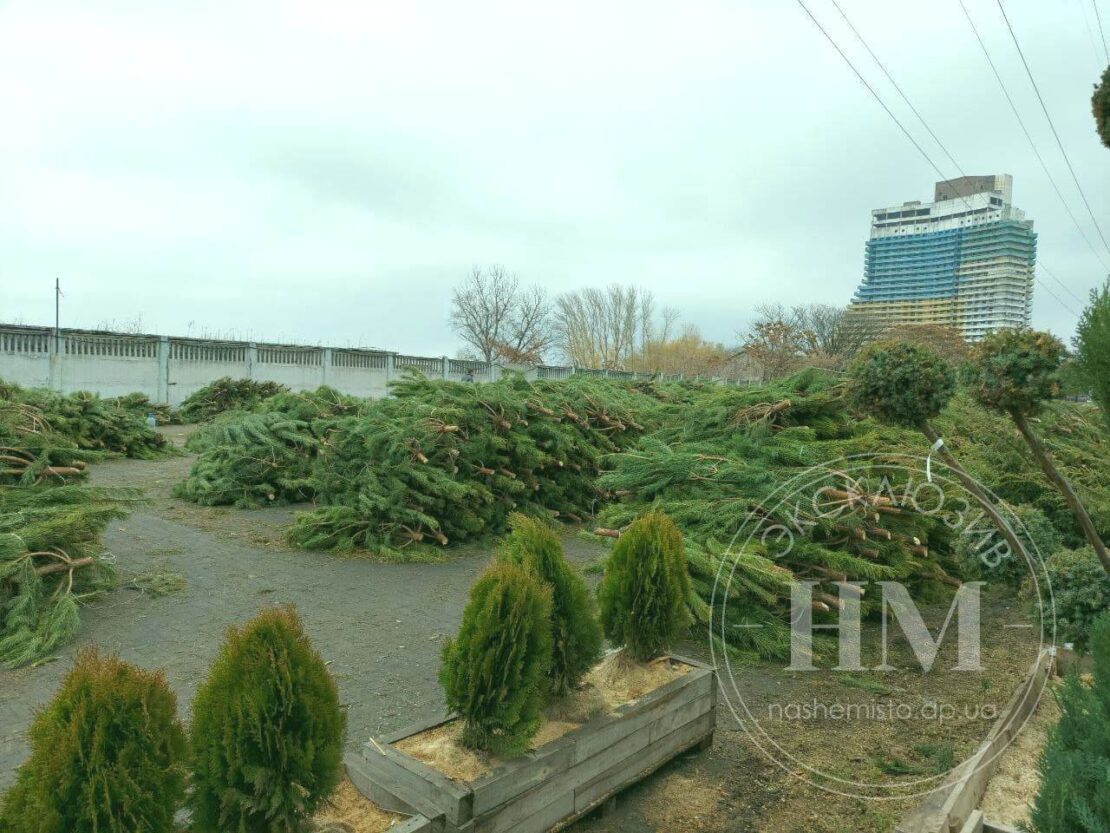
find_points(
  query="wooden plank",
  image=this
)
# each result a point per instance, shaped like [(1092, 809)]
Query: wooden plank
[(418, 824), (607, 729), (694, 663), (415, 823), (682, 715), (949, 807), (425, 789), (506, 816), (414, 729), (974, 823), (629, 771), (700, 680), (546, 818), (376, 786), (521, 774)]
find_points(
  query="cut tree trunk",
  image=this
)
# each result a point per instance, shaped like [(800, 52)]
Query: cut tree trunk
[(63, 566), (1061, 483), (977, 491)]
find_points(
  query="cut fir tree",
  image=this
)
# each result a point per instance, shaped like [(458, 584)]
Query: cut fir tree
[(50, 561)]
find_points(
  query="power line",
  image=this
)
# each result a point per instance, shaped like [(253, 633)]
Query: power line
[(1081, 6), (908, 135), (894, 83), (871, 89), (1063, 286), (1044, 286), (1029, 138), (1101, 33), (1056, 135)]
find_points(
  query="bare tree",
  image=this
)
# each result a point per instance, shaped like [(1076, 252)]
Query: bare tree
[(774, 341), (529, 334), (498, 319), (605, 327), (833, 335), (783, 340)]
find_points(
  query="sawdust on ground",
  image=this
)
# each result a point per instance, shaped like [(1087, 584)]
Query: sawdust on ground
[(1010, 792), (613, 682), (350, 812), (683, 802)]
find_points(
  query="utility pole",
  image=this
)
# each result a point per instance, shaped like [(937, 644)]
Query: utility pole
[(57, 315), (56, 351)]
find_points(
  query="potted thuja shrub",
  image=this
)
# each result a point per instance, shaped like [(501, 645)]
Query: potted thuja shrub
[(541, 729)]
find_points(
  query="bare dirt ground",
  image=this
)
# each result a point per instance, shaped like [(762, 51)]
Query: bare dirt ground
[(380, 627)]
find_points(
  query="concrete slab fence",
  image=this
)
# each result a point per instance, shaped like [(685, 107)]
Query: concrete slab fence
[(167, 369)]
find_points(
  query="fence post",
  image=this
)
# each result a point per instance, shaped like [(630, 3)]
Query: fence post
[(252, 357), (325, 366), (390, 367), (445, 368), (163, 396)]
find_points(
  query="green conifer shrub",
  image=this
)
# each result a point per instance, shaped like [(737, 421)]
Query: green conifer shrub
[(979, 558), (1080, 593), (575, 630), (902, 384), (1100, 107), (1074, 795), (267, 733), (107, 755), (643, 593), (493, 671)]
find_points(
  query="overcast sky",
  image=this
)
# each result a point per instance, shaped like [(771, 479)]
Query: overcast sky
[(325, 172)]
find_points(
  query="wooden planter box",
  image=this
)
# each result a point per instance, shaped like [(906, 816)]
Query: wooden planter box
[(558, 782)]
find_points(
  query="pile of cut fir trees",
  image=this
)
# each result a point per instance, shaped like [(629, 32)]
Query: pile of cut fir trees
[(263, 752), (226, 394), (51, 558), (442, 463), (722, 469), (88, 421), (436, 463), (261, 452)]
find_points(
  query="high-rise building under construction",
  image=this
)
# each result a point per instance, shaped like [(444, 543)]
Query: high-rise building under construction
[(964, 260)]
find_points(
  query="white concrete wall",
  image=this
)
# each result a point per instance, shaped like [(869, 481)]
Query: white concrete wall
[(170, 369)]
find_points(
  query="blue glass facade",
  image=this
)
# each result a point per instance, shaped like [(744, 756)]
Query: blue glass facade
[(927, 266), (911, 267)]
